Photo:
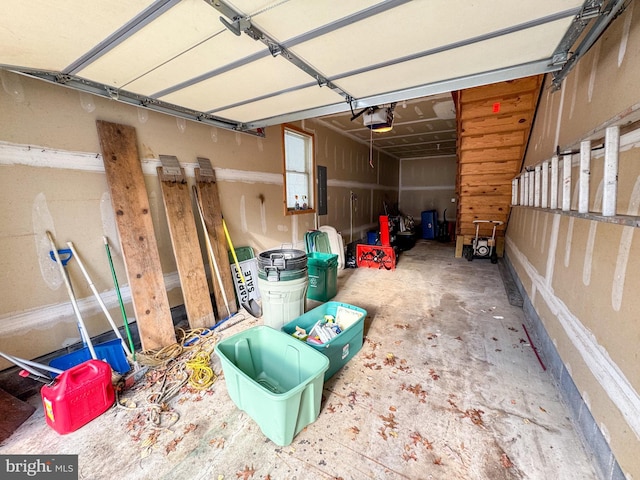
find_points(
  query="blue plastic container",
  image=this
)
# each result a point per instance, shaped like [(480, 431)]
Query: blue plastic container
[(111, 352), (429, 224)]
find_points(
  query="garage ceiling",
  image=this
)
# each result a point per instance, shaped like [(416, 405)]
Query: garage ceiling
[(247, 64), (422, 127)]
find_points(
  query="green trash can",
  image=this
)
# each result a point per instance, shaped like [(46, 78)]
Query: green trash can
[(323, 276)]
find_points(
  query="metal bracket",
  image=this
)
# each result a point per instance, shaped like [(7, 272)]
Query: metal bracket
[(603, 15), (206, 169), (205, 173), (242, 23), (171, 170), (239, 25)]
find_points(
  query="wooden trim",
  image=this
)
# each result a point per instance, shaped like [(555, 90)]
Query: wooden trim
[(312, 172)]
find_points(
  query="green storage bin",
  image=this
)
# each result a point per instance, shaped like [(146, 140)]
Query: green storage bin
[(276, 379), (323, 276), (346, 344)]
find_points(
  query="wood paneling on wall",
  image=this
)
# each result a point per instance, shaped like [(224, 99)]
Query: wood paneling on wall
[(494, 122)]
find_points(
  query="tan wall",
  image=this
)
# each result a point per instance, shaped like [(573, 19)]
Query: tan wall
[(581, 273), (52, 178), (428, 184), (349, 170)]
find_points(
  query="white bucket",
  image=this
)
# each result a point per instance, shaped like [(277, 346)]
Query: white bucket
[(282, 301)]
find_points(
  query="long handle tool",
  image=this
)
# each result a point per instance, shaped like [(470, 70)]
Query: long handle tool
[(27, 364), (210, 249), (83, 330), (117, 287), (98, 298), (233, 250)]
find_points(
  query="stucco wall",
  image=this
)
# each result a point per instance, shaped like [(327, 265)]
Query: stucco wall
[(52, 178), (582, 273)]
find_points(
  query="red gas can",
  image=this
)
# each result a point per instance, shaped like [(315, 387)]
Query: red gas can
[(77, 396)]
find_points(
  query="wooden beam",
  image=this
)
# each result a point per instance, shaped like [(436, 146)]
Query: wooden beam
[(207, 187), (492, 179), (135, 228), (521, 102), (466, 218), (186, 248), (485, 210), (500, 89), (472, 190), (496, 124), (489, 167), (491, 154), (14, 413), (493, 140)]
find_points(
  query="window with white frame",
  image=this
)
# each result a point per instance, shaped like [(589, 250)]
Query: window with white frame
[(299, 170)]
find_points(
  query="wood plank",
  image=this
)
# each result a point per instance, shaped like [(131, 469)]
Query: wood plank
[(207, 187), (459, 246), (186, 248), (493, 179), (468, 228), (470, 217), (14, 413), (490, 167), (494, 154), (484, 209), (496, 123), (485, 200), (504, 189), (135, 228), (493, 124), (492, 140), (522, 102), (501, 89)]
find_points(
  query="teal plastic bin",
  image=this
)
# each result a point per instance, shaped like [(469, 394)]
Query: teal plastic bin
[(276, 379), (346, 344), (323, 276)]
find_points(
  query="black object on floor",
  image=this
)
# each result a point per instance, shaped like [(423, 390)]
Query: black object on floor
[(513, 294)]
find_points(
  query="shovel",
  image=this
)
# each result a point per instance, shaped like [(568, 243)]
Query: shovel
[(111, 352), (253, 308)]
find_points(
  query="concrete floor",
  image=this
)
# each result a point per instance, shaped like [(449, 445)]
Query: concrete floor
[(446, 386)]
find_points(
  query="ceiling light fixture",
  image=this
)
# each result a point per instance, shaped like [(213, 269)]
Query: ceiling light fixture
[(379, 119)]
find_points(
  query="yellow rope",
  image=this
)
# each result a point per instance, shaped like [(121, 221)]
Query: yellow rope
[(186, 341), (186, 361), (202, 375)]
